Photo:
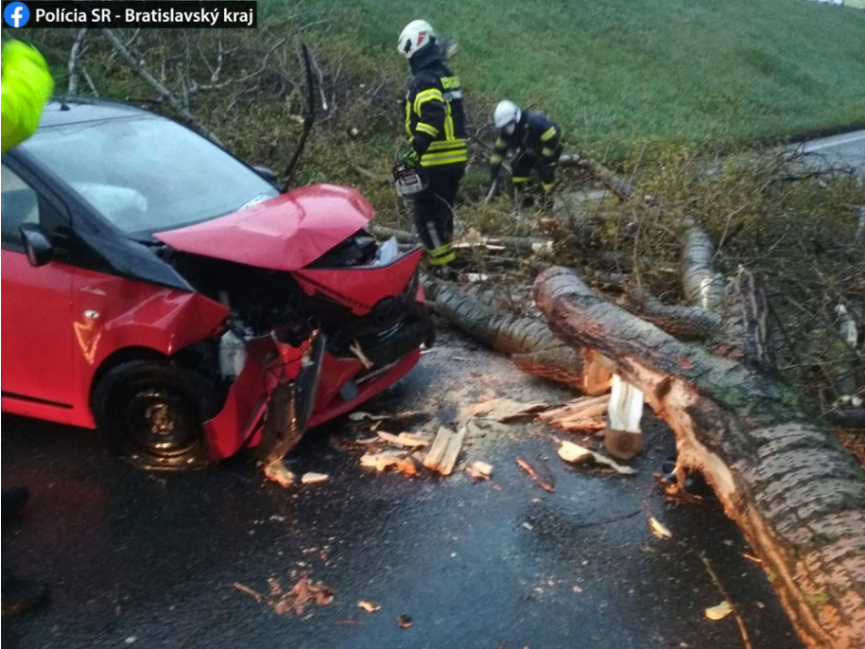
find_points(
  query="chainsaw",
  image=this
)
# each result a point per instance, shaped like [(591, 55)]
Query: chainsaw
[(407, 179)]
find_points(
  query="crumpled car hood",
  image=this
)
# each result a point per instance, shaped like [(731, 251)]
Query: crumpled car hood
[(285, 233)]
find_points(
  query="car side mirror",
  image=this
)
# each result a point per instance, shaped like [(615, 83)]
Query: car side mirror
[(268, 174), (36, 244)]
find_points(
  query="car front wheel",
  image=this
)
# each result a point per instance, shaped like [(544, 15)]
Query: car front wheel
[(149, 413)]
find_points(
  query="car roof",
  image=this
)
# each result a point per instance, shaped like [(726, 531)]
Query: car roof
[(75, 110)]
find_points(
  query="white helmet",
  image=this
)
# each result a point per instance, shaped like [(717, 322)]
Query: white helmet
[(506, 116), (414, 36)]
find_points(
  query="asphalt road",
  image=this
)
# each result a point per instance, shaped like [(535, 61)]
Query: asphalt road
[(844, 150), (149, 560)]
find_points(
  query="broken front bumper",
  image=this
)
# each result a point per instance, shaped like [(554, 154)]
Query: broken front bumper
[(342, 382)]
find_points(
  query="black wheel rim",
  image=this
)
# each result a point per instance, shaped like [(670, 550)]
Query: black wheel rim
[(161, 424)]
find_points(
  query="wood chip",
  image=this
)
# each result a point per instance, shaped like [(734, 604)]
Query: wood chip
[(440, 444), (409, 440), (452, 452), (720, 611), (369, 607), (576, 454), (314, 478), (408, 466), (359, 415), (404, 621), (502, 409), (249, 591), (583, 408), (480, 470), (381, 461), (659, 529), (591, 425), (539, 472)]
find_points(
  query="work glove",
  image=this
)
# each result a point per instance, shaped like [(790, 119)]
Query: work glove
[(410, 158)]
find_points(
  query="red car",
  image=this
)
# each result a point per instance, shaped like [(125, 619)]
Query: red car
[(157, 288)]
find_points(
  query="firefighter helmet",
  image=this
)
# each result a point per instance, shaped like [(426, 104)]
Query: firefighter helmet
[(506, 116), (414, 36)]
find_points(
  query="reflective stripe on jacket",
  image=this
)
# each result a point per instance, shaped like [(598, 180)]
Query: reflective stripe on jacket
[(434, 116)]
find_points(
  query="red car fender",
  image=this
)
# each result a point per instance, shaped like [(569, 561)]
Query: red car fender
[(267, 363), (113, 313)]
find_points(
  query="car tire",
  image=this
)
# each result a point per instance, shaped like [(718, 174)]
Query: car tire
[(149, 413)]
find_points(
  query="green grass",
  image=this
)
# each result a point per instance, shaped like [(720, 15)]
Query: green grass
[(621, 71)]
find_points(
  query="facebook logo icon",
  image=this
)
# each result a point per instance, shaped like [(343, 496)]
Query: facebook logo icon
[(16, 14)]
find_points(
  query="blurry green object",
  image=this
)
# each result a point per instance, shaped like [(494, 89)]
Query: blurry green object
[(27, 86)]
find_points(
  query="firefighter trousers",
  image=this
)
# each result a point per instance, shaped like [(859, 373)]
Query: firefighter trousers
[(526, 160), (434, 211)]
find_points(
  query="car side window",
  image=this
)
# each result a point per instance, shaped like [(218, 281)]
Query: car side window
[(20, 204)]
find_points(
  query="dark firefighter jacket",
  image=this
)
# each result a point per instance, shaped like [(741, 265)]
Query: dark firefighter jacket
[(434, 117), (536, 133)]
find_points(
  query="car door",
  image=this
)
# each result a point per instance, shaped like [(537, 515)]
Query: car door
[(36, 309)]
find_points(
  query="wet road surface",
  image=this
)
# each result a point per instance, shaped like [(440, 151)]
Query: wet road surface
[(148, 560)]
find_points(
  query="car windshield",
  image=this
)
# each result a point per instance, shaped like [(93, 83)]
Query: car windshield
[(148, 174)]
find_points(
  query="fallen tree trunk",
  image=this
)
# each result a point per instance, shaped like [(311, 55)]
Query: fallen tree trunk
[(692, 323), (703, 287), (534, 348), (797, 496)]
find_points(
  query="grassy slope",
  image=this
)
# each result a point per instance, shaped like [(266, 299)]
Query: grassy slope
[(620, 70)]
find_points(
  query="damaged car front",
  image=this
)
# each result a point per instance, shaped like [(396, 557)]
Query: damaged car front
[(197, 291), (276, 267)]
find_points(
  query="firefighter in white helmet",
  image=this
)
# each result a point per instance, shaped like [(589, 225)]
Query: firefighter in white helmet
[(435, 124), (536, 142)]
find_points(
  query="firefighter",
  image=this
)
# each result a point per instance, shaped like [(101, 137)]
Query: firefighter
[(435, 123), (26, 87), (536, 142)]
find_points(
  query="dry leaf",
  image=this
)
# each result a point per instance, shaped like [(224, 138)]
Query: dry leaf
[(659, 529), (369, 607), (720, 611), (576, 454), (304, 592), (314, 478)]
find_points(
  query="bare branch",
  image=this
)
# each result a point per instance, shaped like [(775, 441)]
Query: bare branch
[(74, 54), (159, 88)]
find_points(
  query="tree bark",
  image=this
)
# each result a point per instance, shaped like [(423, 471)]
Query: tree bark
[(534, 348), (703, 287), (746, 323), (691, 323), (797, 496)]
